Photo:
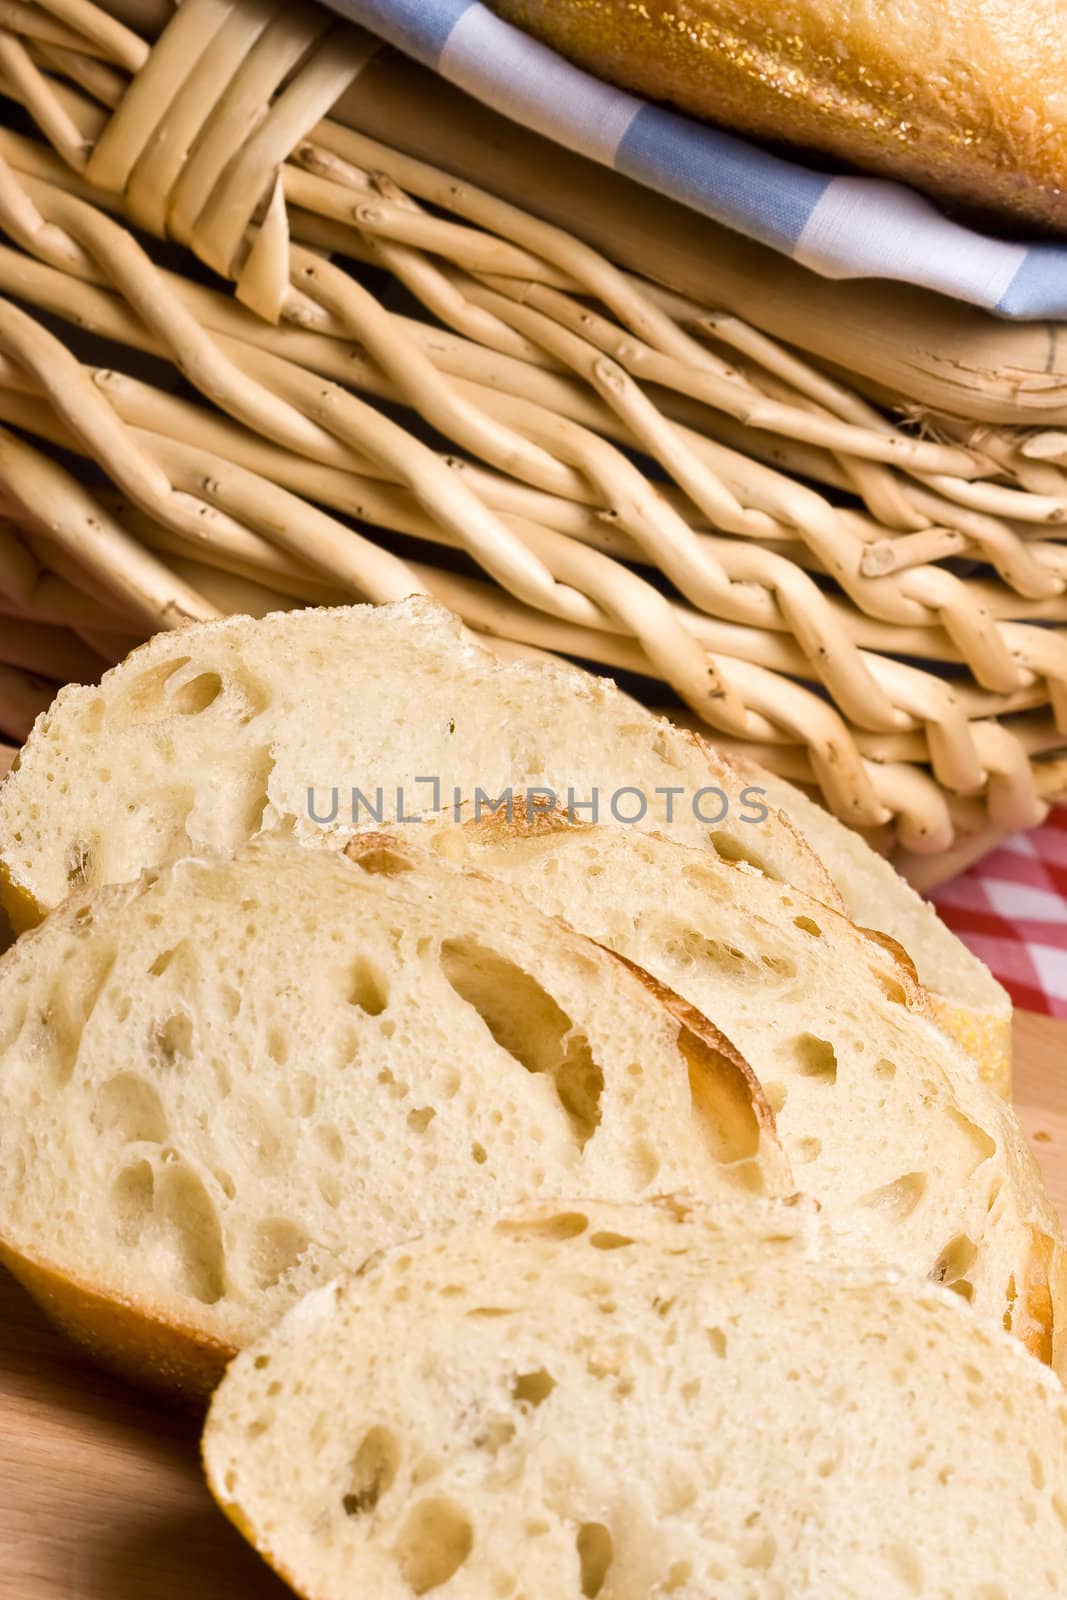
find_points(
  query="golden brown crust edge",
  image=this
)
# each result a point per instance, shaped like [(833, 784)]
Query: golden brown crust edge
[(741, 1110), (966, 109), (136, 1343), (1034, 1314)]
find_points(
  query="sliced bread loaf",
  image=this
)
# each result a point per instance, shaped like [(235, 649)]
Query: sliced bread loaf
[(224, 1083), (881, 1114), (323, 720), (210, 734), (638, 1402)]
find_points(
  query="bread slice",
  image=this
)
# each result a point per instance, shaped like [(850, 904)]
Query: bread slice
[(224, 1083), (212, 733), (216, 732), (642, 1401), (965, 998), (206, 736), (883, 1117)]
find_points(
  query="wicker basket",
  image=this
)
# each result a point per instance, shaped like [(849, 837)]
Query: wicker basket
[(662, 455)]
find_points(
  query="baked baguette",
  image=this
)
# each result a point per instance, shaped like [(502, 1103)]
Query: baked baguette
[(226, 1082), (914, 1161), (966, 101), (207, 735), (642, 1401)]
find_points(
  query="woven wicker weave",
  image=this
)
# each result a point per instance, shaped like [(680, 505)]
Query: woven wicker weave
[(577, 459)]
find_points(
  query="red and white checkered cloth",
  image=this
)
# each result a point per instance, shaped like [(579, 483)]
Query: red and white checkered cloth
[(1011, 908)]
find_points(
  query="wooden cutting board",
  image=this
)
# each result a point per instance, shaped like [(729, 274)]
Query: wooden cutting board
[(100, 1496)]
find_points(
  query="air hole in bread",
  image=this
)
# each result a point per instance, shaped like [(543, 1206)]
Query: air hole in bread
[(885, 1069), (254, 799), (479, 1154), (373, 1473), (330, 1139), (955, 1261), (781, 966), (196, 694), (130, 1107), (435, 1541), (564, 1225), (58, 1040), (891, 987), (381, 862), (496, 1432), (277, 1246), (646, 1164), (369, 989), (678, 1575), (980, 1146), (807, 1149), (717, 1340), (173, 1038), (729, 960), (143, 699), (187, 1234), (596, 1551), (735, 850), (723, 1103), (758, 1551), (278, 1048), (532, 1388), (906, 1567), (609, 1241), (526, 1021), (420, 1117), (897, 1200), (815, 1057), (132, 1198), (776, 1094), (808, 925), (163, 961), (78, 864), (749, 1177)]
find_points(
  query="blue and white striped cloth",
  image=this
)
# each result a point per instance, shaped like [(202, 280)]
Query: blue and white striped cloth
[(842, 227)]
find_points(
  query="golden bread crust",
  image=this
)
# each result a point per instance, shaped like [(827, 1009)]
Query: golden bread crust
[(132, 1340), (966, 102)]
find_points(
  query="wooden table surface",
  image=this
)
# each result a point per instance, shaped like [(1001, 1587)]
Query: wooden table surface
[(100, 1495)]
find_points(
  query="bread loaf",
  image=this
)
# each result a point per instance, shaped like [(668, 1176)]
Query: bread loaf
[(642, 1401), (966, 101), (226, 1082), (913, 1160), (207, 735)]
